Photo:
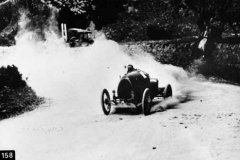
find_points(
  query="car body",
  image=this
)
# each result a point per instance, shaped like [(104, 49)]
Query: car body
[(137, 88), (79, 37)]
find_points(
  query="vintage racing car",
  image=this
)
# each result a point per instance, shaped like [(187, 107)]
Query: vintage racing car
[(135, 87)]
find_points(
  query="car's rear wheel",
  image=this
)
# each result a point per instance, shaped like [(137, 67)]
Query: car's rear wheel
[(106, 102), (146, 101), (167, 91)]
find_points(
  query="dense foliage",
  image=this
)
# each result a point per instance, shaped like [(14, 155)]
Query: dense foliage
[(76, 6), (11, 78), (137, 19), (15, 95), (150, 20), (102, 12), (6, 15), (217, 13)]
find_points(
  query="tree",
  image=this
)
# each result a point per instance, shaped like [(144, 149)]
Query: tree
[(106, 11), (149, 20), (8, 21), (76, 6), (6, 14), (102, 12)]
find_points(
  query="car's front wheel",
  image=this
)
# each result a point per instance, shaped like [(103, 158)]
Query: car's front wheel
[(106, 102)]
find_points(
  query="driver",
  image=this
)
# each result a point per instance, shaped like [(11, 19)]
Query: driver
[(130, 69)]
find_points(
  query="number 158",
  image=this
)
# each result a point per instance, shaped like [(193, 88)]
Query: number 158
[(7, 155)]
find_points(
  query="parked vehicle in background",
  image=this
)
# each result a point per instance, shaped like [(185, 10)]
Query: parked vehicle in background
[(78, 37)]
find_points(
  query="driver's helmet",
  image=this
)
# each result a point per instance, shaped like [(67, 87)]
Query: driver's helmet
[(130, 68)]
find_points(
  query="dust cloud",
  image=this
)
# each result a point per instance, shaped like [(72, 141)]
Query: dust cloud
[(64, 74)]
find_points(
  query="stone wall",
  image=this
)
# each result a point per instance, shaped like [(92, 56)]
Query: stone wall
[(227, 55), (182, 52), (176, 52)]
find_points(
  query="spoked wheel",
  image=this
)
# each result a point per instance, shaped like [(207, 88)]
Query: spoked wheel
[(146, 101), (167, 91), (106, 102)]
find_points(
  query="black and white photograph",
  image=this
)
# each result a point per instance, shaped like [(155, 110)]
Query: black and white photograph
[(119, 79)]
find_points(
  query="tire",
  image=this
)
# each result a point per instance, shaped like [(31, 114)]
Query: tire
[(71, 44), (146, 101), (167, 91), (106, 102)]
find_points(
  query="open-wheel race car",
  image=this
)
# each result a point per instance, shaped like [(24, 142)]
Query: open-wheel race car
[(135, 87)]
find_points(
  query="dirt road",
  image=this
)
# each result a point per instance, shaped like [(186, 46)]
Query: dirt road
[(206, 127)]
